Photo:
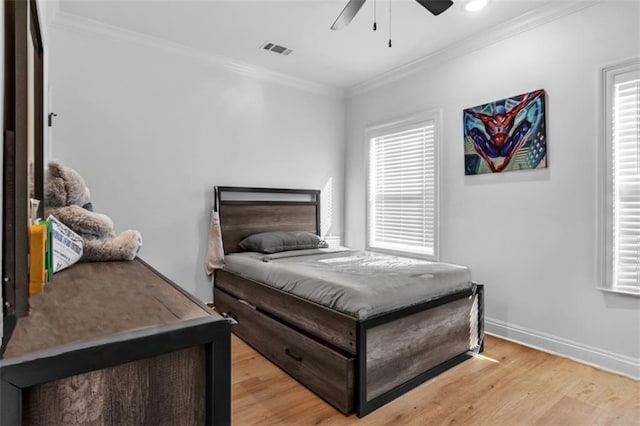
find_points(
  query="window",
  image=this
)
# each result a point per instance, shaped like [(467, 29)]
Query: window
[(622, 178), (402, 187)]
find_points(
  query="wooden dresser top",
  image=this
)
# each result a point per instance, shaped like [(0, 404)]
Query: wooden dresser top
[(94, 300)]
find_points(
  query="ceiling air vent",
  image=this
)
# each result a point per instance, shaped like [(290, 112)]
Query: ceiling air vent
[(276, 48)]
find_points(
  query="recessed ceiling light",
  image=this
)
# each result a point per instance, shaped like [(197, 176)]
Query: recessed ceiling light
[(474, 5)]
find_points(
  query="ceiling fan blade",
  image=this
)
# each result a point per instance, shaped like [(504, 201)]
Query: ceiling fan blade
[(347, 14), (435, 6)]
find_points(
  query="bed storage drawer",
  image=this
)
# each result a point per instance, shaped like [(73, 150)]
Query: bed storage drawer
[(336, 328), (324, 370)]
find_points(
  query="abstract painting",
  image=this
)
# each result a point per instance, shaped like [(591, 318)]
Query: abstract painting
[(506, 135)]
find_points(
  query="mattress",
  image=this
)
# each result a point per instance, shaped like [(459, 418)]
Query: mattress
[(357, 283)]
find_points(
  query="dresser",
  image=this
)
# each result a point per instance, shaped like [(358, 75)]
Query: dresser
[(116, 343)]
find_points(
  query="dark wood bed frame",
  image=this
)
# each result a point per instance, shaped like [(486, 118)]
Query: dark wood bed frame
[(354, 365)]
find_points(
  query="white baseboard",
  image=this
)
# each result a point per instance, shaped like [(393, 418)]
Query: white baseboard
[(595, 357)]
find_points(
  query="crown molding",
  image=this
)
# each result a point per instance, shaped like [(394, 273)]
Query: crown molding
[(542, 15), (74, 23)]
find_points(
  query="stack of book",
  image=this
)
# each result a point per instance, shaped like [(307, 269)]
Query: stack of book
[(52, 247)]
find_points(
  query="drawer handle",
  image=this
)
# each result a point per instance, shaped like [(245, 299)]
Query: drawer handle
[(292, 355), (230, 315)]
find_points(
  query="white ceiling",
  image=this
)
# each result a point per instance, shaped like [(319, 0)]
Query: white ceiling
[(236, 29)]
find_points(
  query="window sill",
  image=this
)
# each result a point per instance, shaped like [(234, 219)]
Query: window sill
[(414, 255), (622, 292)]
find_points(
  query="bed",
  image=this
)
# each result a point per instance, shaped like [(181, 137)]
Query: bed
[(314, 314)]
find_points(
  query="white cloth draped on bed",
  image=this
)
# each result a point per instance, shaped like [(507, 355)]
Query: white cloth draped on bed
[(215, 252)]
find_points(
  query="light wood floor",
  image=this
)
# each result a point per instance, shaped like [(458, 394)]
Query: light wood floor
[(513, 385)]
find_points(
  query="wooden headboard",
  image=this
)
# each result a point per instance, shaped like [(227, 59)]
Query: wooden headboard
[(244, 211)]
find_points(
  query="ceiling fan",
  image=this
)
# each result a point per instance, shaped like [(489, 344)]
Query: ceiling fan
[(351, 9)]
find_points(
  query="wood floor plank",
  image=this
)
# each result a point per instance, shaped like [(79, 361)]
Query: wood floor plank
[(508, 384)]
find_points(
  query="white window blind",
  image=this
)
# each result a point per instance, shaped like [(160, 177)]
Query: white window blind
[(623, 181), (402, 191), (626, 177)]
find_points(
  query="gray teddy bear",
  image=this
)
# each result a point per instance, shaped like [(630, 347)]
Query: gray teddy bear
[(66, 197)]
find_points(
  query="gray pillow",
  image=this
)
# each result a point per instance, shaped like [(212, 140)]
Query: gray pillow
[(274, 242)]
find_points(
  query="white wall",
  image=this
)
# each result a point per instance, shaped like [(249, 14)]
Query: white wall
[(152, 131), (529, 236)]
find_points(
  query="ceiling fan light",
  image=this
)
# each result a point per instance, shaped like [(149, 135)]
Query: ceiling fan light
[(475, 5)]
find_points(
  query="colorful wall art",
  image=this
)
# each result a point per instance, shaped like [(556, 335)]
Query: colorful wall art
[(506, 135)]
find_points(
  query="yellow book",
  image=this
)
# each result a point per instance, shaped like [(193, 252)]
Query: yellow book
[(37, 259)]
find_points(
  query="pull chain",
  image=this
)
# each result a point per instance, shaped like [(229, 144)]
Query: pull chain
[(375, 26), (389, 23)]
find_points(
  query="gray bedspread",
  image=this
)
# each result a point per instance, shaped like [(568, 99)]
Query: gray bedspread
[(359, 284)]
